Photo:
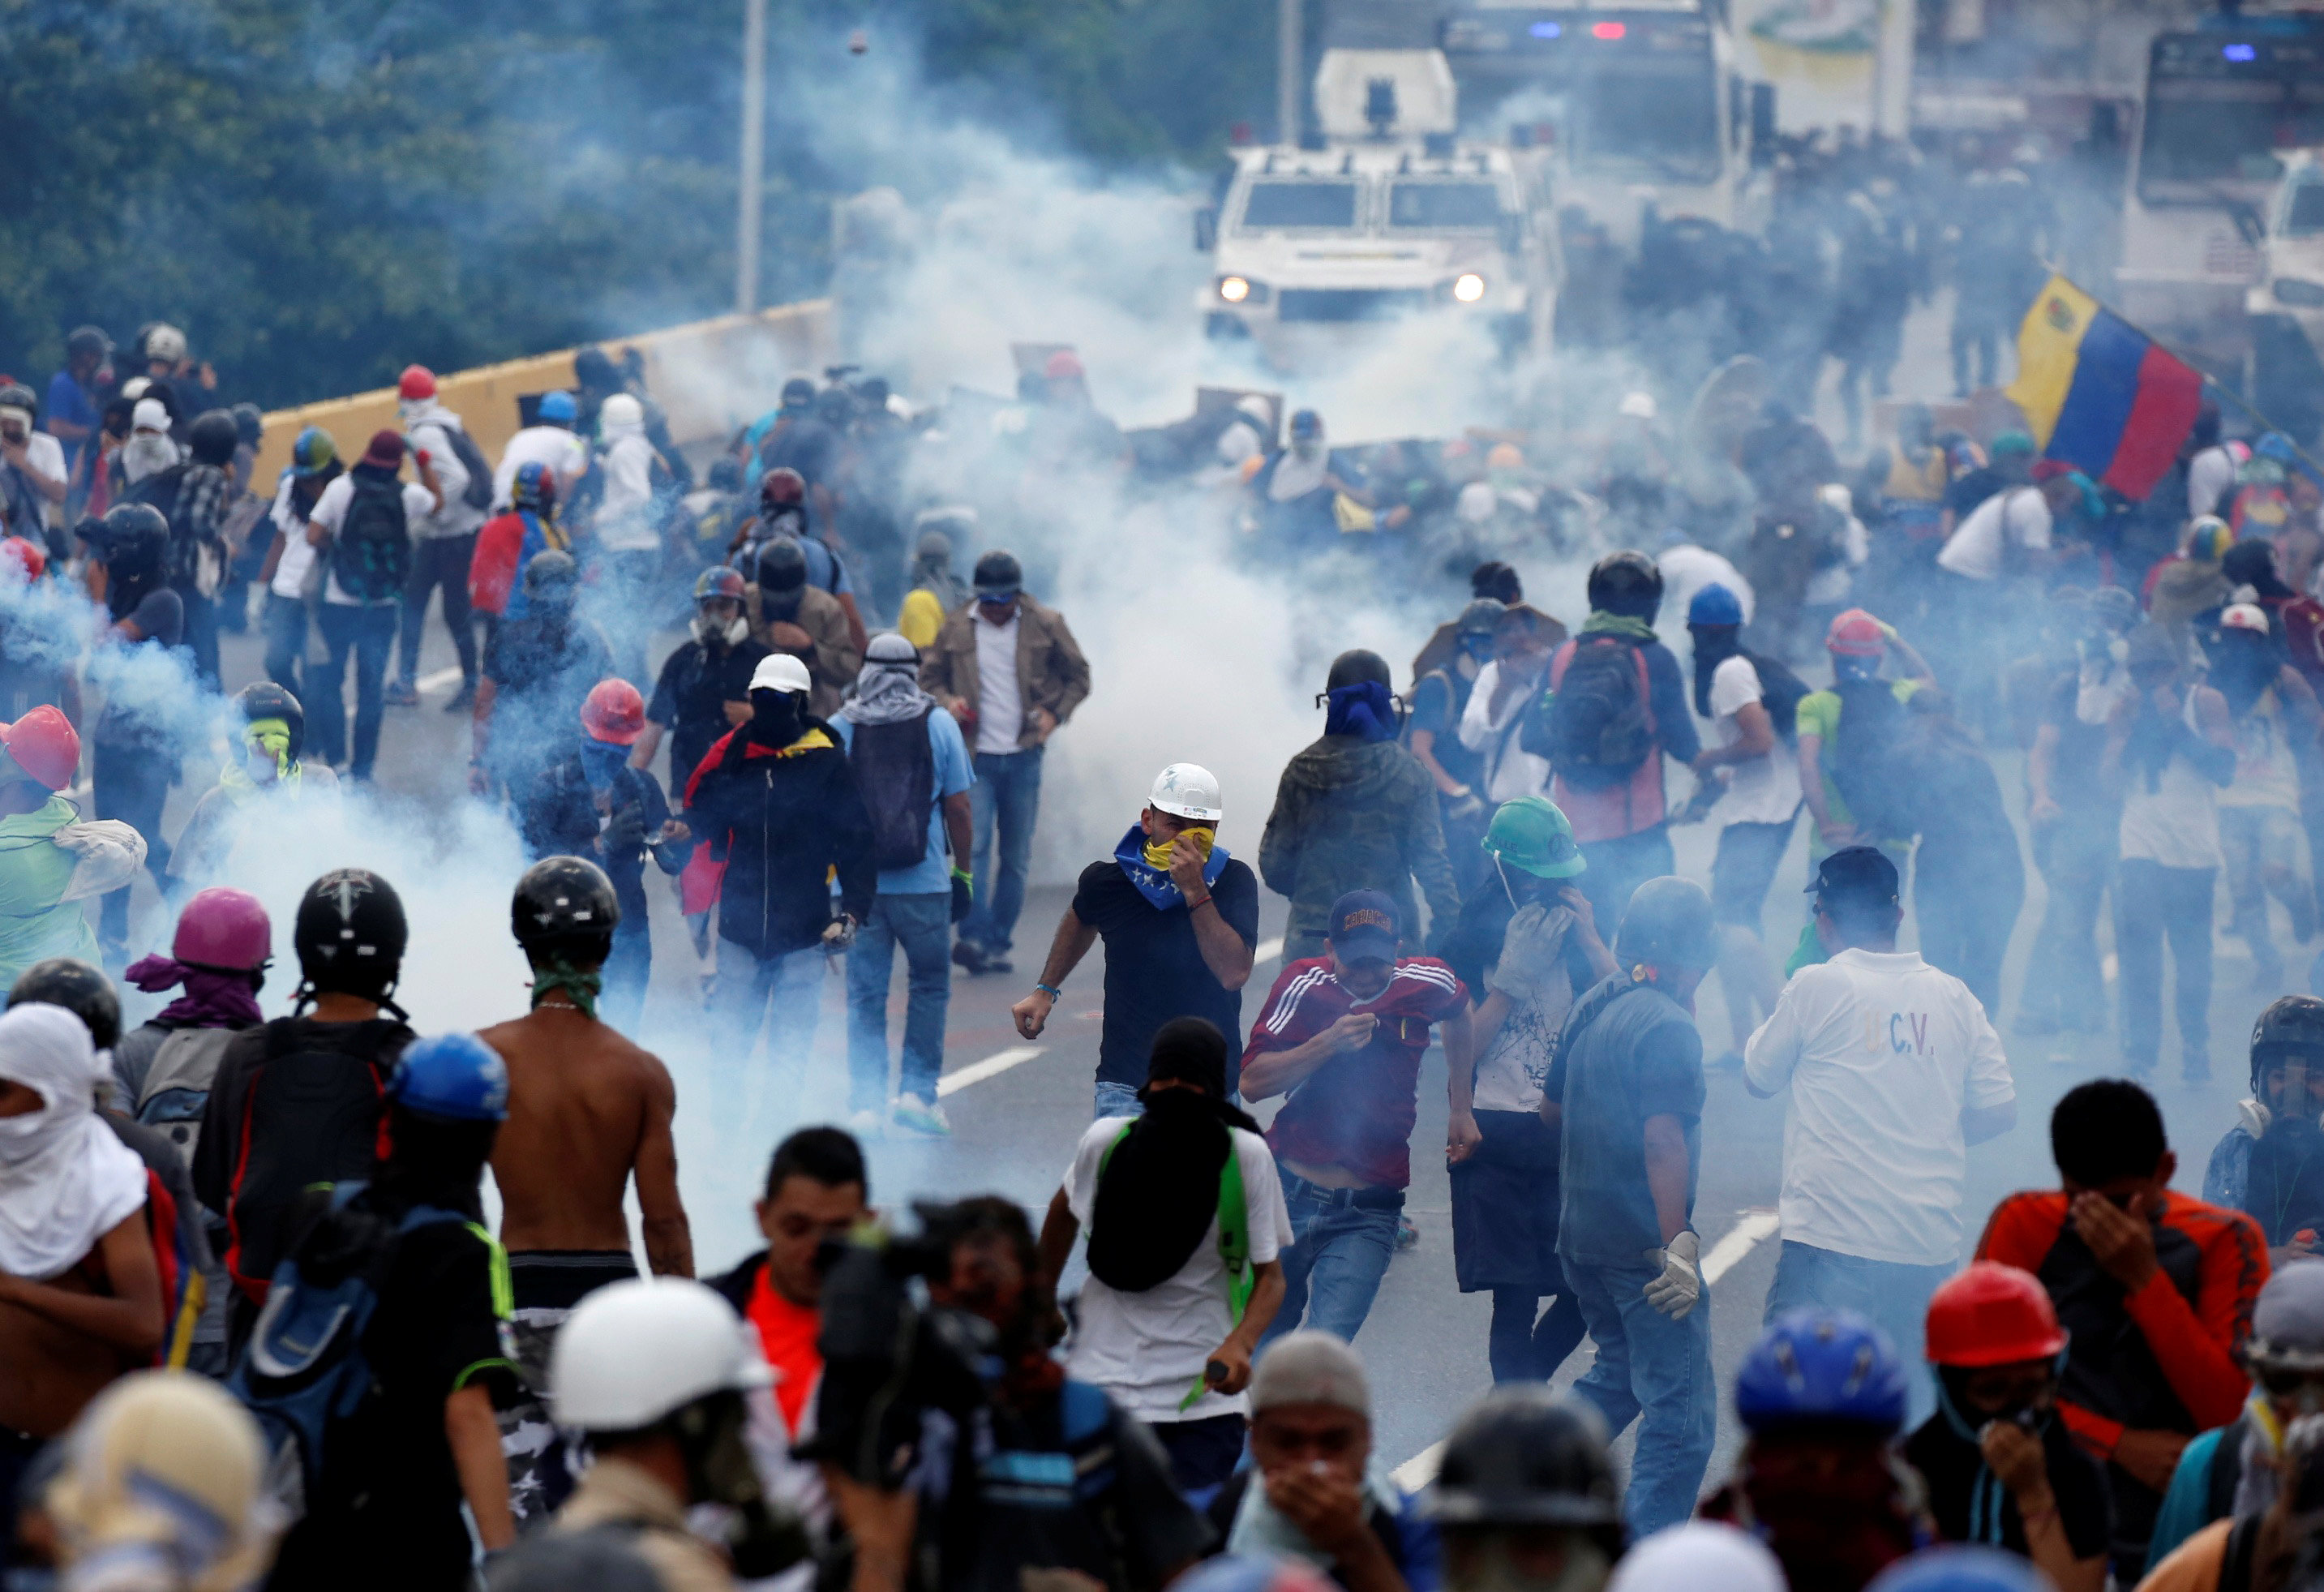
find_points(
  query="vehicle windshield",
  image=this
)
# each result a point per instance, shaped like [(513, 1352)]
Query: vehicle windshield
[(1440, 205), (1277, 202), (2216, 132), (2304, 216)]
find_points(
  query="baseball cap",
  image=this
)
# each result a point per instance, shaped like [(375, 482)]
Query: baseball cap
[(1863, 873), (1363, 926)]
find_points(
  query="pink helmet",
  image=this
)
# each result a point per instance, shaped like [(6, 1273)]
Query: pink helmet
[(223, 929)]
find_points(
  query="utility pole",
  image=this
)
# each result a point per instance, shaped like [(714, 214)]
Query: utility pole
[(1290, 56), (755, 156)]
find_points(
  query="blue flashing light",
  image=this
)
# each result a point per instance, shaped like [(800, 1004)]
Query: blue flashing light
[(1546, 30), (2239, 52)]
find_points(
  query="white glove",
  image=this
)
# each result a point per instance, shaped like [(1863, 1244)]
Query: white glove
[(1531, 948), (1675, 1291)]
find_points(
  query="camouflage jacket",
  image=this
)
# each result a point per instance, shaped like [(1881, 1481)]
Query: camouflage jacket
[(1355, 815)]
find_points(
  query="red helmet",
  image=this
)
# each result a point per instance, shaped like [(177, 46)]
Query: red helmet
[(44, 746), (1992, 1315), (1064, 365), (417, 381), (223, 928), (1856, 634), (782, 485), (614, 713), (29, 557)]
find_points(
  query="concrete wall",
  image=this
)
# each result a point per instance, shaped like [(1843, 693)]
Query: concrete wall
[(710, 376)]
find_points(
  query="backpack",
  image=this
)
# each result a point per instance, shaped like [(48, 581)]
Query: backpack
[(371, 554), (1596, 726), (478, 493), (1780, 692), (310, 1122), (1234, 1238), (896, 770), (304, 1369), (1867, 765), (178, 1085)]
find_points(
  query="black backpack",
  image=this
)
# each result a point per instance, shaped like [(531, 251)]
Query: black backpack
[(1780, 692), (478, 493), (371, 554), (895, 771), (1874, 749), (1596, 726), (310, 1122)]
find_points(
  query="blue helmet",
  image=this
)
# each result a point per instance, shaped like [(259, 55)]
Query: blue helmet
[(557, 408), (456, 1075), (1715, 604), (1960, 1568), (1818, 1365)]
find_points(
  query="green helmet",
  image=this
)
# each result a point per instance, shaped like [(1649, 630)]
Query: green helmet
[(1532, 833)]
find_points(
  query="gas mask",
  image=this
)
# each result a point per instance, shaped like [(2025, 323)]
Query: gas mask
[(709, 632)]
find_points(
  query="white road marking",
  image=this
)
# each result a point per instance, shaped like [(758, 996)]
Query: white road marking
[(1738, 1240), (992, 1066), (1267, 951), (440, 679)]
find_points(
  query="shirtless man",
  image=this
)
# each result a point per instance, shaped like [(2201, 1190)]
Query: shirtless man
[(587, 1111)]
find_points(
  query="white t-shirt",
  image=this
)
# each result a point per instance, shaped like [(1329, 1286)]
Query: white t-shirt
[(1762, 790), (456, 518), (2209, 474), (1147, 1349), (1000, 708), (46, 456), (1975, 547), (331, 513), (1881, 1052), (1510, 770), (553, 446), (296, 567)]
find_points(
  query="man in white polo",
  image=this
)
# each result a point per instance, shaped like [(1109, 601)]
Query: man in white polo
[(1894, 1071)]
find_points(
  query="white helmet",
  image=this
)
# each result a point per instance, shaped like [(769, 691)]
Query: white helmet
[(636, 1352), (621, 410), (165, 342), (1188, 791), (781, 671), (1640, 406)]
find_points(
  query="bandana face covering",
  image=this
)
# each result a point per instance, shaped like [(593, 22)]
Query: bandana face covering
[(1157, 852), (268, 740), (601, 762), (1152, 879)]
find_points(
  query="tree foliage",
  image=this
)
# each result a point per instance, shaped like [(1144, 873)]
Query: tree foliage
[(321, 190)]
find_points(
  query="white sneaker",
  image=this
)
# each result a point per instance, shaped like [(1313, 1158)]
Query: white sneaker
[(915, 1115), (865, 1124)]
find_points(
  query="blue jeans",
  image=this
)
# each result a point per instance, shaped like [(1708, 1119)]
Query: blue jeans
[(793, 982), (367, 631), (1338, 1253), (1657, 1371), (1116, 1099), (922, 925), (285, 623), (1007, 794), (1890, 1295)]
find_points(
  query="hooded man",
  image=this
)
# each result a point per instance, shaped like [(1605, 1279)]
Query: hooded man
[(444, 543), (1299, 492), (790, 615), (149, 450), (776, 800), (1179, 918), (1184, 1278), (912, 767), (1354, 810), (628, 526)]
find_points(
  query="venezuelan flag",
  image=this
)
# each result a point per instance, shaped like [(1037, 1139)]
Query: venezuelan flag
[(2099, 394)]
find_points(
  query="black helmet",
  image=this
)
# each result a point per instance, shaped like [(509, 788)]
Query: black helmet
[(551, 575), (1524, 1457), (265, 699), (1668, 923), (2294, 1022), (1355, 667), (782, 564), (130, 540), (998, 574), (80, 987), (351, 933), (567, 904), (1625, 583), (249, 423), (213, 437), (1481, 617), (87, 339)]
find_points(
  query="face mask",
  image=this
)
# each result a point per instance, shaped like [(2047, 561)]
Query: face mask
[(1157, 852), (411, 408), (774, 718), (601, 761), (1308, 449), (710, 633), (267, 750)]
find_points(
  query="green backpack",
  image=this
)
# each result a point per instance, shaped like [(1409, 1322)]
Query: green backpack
[(1234, 1237)]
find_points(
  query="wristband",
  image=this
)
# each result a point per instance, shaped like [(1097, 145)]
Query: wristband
[(1195, 906), (1051, 990), (964, 876)]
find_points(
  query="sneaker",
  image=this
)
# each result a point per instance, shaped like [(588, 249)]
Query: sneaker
[(865, 1124), (463, 699), (968, 954), (402, 693), (915, 1115)]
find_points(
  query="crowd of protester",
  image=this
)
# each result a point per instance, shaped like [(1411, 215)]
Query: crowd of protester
[(254, 1325)]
